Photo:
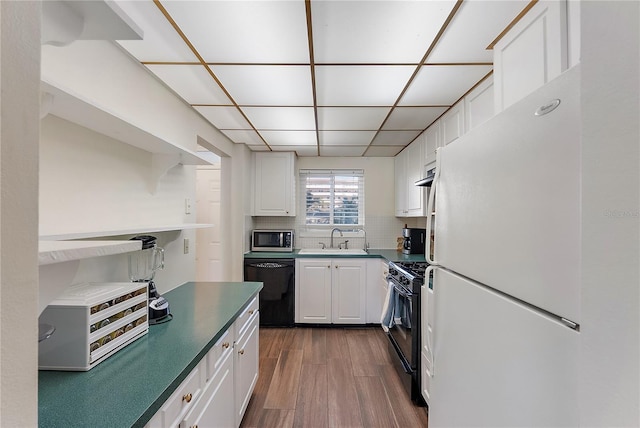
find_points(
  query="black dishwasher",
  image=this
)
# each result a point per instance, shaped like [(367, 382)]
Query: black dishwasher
[(277, 295)]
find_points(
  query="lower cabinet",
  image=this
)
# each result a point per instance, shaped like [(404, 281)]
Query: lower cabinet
[(245, 366), (217, 391), (331, 291)]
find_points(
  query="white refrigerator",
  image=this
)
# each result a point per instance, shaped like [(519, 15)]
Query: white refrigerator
[(503, 314)]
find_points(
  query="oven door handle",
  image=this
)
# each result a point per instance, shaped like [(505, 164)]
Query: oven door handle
[(402, 291)]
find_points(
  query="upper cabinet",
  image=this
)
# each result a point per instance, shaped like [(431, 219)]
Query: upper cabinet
[(452, 123), (431, 140), (532, 53), (479, 104), (410, 200), (274, 184)]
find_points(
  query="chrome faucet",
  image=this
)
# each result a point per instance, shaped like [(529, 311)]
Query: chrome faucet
[(365, 246), (332, 232)]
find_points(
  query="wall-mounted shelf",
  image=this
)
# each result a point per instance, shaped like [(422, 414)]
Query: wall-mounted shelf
[(118, 232), (66, 104), (64, 251)]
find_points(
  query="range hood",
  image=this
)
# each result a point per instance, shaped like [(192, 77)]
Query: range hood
[(426, 182)]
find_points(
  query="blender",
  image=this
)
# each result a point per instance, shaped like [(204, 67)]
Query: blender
[(143, 265)]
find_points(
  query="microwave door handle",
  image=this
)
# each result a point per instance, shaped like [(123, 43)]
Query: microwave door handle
[(281, 239)]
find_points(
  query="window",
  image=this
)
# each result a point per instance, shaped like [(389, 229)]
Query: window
[(332, 197)]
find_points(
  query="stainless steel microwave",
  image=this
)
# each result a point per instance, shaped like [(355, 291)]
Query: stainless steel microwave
[(272, 240)]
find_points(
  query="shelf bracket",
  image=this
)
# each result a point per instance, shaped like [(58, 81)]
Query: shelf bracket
[(160, 164)]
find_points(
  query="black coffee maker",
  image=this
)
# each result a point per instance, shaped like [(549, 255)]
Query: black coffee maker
[(413, 240)]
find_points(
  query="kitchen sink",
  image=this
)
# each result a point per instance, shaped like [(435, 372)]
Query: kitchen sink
[(332, 251)]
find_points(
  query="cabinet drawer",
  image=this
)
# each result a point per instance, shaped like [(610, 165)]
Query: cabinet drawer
[(218, 353), (183, 398), (215, 407), (242, 321)]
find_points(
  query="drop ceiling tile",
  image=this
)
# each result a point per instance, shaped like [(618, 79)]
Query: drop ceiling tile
[(244, 31), (300, 150), (474, 27), (395, 138), (267, 84), (340, 151), (351, 118), (412, 117), (360, 85), (346, 138), (223, 117), (161, 42), (383, 151), (375, 31), (248, 137), (438, 85), (281, 118), (290, 138), (192, 83)]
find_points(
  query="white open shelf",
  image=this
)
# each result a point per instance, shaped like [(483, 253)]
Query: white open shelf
[(118, 232), (63, 251), (67, 104)]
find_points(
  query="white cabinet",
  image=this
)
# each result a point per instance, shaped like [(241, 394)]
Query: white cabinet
[(375, 268), (216, 405), (479, 104), (383, 286), (532, 53), (410, 200), (431, 140), (400, 176), (274, 184), (331, 291), (217, 391), (181, 401), (452, 124), (245, 366)]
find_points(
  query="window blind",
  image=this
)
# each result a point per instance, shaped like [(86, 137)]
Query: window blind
[(332, 197)]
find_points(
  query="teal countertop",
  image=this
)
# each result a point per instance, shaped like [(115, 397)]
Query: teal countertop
[(129, 387), (389, 255)]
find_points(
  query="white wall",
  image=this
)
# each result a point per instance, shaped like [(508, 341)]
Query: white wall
[(610, 328), (19, 110), (90, 182), (381, 225)]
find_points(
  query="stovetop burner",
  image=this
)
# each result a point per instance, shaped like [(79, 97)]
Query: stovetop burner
[(416, 269)]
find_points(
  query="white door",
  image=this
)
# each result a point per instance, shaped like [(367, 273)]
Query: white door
[(208, 248), (498, 363)]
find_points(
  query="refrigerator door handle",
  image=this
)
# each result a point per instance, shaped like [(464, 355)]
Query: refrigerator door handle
[(430, 339), (430, 204)]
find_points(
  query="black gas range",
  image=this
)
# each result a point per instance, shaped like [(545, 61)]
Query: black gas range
[(405, 280)]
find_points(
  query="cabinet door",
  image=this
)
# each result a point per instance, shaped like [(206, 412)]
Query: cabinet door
[(479, 104), (400, 174), (313, 291), (531, 54), (215, 408), (245, 367), (432, 141), (452, 123), (349, 281), (373, 294), (274, 184), (415, 195)]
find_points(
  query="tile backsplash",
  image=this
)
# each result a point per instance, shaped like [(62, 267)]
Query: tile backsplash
[(382, 231)]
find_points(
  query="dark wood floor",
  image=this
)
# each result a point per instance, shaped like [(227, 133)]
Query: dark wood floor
[(328, 377)]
